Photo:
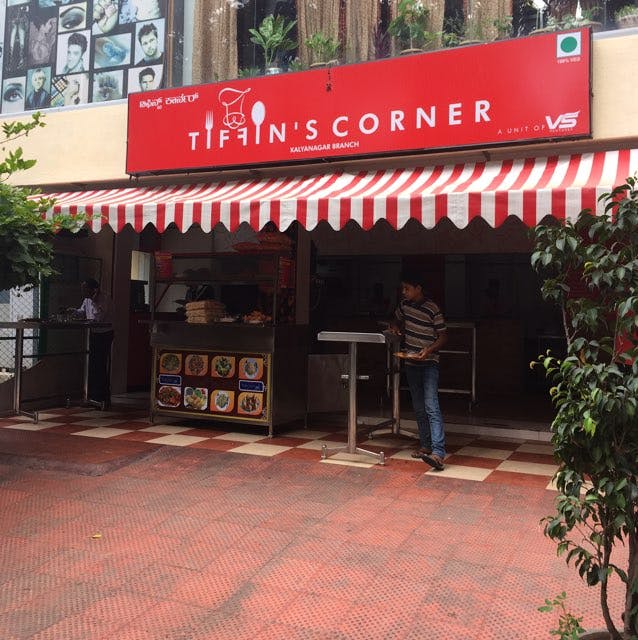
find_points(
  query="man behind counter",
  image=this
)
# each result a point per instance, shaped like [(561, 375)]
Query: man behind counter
[(96, 307)]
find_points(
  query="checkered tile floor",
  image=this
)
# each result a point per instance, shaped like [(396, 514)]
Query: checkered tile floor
[(470, 457)]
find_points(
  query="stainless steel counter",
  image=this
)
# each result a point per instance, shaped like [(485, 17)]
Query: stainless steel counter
[(21, 326)]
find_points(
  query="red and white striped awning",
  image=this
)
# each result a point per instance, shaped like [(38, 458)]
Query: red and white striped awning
[(528, 189)]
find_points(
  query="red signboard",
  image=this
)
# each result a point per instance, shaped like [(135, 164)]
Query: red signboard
[(524, 89)]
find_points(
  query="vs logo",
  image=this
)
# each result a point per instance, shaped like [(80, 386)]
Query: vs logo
[(563, 121)]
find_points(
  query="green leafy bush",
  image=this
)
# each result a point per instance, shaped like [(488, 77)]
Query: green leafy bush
[(595, 391)]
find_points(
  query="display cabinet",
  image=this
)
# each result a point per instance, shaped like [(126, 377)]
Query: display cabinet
[(246, 361)]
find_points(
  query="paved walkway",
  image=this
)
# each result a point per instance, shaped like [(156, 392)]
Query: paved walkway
[(133, 537)]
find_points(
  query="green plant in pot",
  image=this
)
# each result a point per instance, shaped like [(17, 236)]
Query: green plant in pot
[(595, 391), (503, 27), (409, 27), (627, 16), (325, 49), (272, 36)]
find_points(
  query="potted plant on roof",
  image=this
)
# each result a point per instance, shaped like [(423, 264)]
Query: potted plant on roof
[(325, 50), (272, 36), (595, 391), (503, 27), (627, 17), (409, 27)]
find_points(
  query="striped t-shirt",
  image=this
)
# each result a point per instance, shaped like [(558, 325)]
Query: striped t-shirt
[(421, 322)]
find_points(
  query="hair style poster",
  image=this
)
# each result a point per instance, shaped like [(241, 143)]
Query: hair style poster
[(63, 53), (13, 95), (145, 78), (108, 86), (70, 90)]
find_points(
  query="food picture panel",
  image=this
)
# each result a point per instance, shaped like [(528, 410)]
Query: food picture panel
[(251, 368), (170, 397), (196, 398), (222, 401), (170, 362), (249, 403), (229, 385), (223, 367), (196, 364)]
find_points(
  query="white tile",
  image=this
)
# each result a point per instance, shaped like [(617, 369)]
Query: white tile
[(306, 434), (461, 472), (260, 449), (405, 454), (239, 437), (99, 422), (483, 452), (33, 426), (177, 440), (102, 432), (351, 460), (41, 416), (528, 467), (317, 445), (533, 447), (165, 428)]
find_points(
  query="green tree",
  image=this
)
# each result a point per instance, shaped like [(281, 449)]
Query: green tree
[(595, 391), (26, 236)]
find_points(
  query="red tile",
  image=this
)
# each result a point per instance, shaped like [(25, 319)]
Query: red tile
[(473, 461), (203, 433), (301, 454), (134, 436), (519, 479), (285, 441), (540, 458), (214, 445)]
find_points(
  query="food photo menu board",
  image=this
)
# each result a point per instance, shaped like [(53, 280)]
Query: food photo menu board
[(227, 385), (59, 53)]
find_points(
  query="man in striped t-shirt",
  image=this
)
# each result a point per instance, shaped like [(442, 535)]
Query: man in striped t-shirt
[(421, 323)]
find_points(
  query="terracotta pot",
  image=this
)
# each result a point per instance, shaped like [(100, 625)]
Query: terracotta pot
[(626, 22)]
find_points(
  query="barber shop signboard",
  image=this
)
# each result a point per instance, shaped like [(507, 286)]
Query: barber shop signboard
[(520, 90)]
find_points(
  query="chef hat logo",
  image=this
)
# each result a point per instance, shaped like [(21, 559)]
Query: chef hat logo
[(233, 101)]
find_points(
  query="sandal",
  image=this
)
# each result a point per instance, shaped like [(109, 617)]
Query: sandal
[(436, 462), (420, 452)]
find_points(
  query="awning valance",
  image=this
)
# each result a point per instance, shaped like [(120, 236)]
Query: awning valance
[(528, 188)]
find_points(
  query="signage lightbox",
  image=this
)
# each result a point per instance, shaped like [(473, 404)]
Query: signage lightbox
[(524, 89)]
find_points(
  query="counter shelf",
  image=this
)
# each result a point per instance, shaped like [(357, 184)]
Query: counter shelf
[(275, 383), (20, 327)]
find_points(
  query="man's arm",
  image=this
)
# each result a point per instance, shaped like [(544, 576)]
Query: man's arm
[(434, 347)]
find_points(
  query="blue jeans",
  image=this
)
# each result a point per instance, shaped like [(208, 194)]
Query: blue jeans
[(423, 381)]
